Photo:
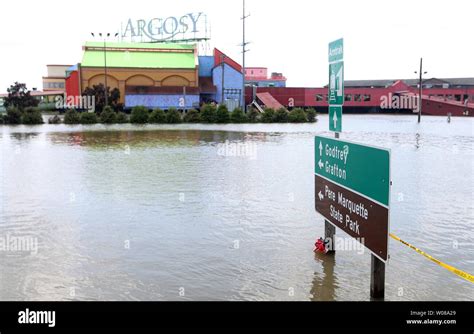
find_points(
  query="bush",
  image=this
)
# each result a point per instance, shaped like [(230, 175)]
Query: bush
[(253, 115), (158, 116), (173, 116), (32, 117), (311, 115), (13, 116), (122, 118), (140, 115), (88, 118), (2, 119), (238, 116), (297, 115), (54, 120), (192, 116), (108, 116), (208, 113), (281, 116), (222, 114), (72, 117), (268, 115)]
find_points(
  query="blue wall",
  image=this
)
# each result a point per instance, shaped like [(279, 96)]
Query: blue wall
[(206, 63), (232, 80), (161, 101)]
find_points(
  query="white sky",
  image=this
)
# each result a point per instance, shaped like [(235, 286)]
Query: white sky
[(383, 39)]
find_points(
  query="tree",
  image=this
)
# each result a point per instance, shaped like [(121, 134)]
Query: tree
[(281, 116), (253, 115), (19, 97), (297, 115), (140, 115), (173, 116), (98, 92), (108, 116), (208, 113), (72, 117), (311, 115), (192, 116), (222, 114), (158, 116), (238, 116), (268, 115)]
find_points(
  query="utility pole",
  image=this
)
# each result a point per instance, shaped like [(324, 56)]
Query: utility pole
[(420, 92), (244, 50), (223, 79), (106, 93)]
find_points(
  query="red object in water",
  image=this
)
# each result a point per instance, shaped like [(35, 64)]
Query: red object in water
[(320, 247)]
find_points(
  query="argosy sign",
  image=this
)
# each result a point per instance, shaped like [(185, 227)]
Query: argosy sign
[(162, 29)]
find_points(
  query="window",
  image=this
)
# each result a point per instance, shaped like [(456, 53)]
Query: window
[(367, 98), (348, 97), (457, 97), (358, 98), (319, 97)]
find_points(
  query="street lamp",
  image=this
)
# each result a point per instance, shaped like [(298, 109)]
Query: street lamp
[(420, 100), (105, 36)]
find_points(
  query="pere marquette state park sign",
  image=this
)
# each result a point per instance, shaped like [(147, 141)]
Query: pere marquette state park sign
[(352, 184)]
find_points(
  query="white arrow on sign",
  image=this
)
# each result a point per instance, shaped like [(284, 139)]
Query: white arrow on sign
[(321, 196), (321, 165), (335, 120), (320, 148)]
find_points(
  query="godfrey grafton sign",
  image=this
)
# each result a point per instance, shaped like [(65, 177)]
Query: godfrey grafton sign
[(189, 26)]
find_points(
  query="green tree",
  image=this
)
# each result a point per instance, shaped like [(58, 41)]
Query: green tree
[(268, 115), (222, 114), (281, 116), (158, 116), (19, 97), (297, 115), (32, 117), (208, 113), (173, 116), (238, 116), (192, 116), (13, 116), (89, 118), (98, 92), (140, 115), (72, 117), (122, 118), (311, 115), (253, 115), (108, 116)]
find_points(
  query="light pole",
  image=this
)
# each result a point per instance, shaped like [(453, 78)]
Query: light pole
[(106, 92), (420, 99), (244, 50)]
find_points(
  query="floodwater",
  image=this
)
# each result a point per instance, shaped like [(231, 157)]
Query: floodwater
[(208, 212)]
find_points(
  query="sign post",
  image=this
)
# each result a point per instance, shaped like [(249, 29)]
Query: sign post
[(352, 187), (336, 101)]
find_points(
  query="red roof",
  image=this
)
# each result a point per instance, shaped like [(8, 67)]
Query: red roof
[(269, 101)]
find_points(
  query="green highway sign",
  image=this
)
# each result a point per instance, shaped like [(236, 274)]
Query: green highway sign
[(335, 118), (336, 83), (364, 170), (336, 50), (352, 191)]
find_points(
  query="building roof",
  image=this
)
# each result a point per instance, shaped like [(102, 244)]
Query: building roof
[(411, 82), (140, 55)]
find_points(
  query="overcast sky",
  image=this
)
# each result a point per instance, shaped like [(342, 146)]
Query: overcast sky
[(383, 39)]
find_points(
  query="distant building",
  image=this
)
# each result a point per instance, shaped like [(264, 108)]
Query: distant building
[(157, 75), (56, 79), (258, 76)]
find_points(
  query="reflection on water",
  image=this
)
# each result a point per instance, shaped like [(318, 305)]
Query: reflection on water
[(165, 213), (324, 283)]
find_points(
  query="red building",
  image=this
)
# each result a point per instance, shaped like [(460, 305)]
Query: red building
[(440, 96)]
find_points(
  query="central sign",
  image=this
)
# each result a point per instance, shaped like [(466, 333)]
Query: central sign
[(352, 184), (193, 26), (336, 84)]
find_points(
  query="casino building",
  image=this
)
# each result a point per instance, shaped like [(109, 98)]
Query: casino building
[(158, 75)]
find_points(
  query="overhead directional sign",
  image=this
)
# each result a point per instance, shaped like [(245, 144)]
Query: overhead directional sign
[(336, 84), (336, 51), (352, 187), (335, 118)]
